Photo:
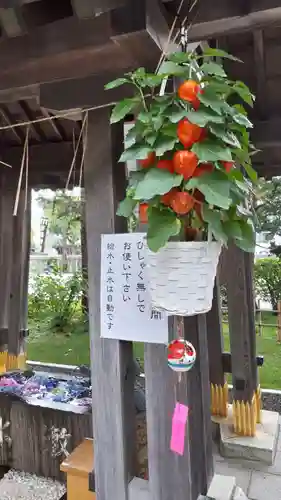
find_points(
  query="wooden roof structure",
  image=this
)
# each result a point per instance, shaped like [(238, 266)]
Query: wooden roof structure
[(58, 55)]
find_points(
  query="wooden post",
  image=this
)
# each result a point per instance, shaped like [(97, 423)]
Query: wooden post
[(219, 386), (279, 321), (14, 252), (169, 474), (18, 306), (246, 392), (113, 402), (6, 208)]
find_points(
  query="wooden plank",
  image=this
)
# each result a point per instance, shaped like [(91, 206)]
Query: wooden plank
[(113, 403), (215, 339), (241, 323), (168, 473), (191, 474), (236, 24), (201, 454)]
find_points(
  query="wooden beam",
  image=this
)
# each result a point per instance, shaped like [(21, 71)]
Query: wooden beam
[(69, 48), (20, 93), (55, 125), (43, 158), (8, 120), (113, 401), (234, 25), (85, 92), (34, 127), (259, 58), (89, 8)]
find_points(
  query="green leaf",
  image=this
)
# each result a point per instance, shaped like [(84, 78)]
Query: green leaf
[(163, 144), (144, 117), (131, 137), (151, 80), (242, 120), (215, 187), (116, 83), (211, 151), (176, 115), (151, 138), (226, 135), (162, 225), (135, 177), (156, 182), (212, 68), (122, 108), (233, 229), (211, 99), (126, 207), (213, 218), (251, 172), (135, 152), (248, 240), (171, 68), (209, 52), (180, 57), (244, 92), (204, 116), (218, 85)]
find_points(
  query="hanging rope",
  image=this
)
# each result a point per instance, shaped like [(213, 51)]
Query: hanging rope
[(85, 141), (23, 162), (76, 151)]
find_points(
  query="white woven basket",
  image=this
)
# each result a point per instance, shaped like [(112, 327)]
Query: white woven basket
[(181, 276)]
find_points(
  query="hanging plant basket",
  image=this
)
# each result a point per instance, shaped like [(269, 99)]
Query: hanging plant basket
[(181, 276), (194, 180)]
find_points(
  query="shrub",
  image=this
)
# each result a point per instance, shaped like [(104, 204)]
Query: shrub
[(268, 280), (55, 298)]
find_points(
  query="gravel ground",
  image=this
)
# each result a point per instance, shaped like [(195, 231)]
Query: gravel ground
[(22, 486)]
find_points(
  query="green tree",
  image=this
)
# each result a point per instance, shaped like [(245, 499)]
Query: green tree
[(268, 280), (64, 213), (268, 207)]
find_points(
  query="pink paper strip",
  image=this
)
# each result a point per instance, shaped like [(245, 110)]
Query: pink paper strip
[(178, 428)]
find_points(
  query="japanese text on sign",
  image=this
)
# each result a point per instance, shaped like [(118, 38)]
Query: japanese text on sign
[(126, 313)]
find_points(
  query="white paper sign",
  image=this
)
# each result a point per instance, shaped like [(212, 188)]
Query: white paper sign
[(126, 313)]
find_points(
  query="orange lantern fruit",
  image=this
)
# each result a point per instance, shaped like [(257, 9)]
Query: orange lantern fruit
[(143, 213), (203, 168), (185, 163), (166, 198), (182, 202), (165, 165), (188, 91), (196, 103), (188, 133), (228, 165), (148, 161)]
